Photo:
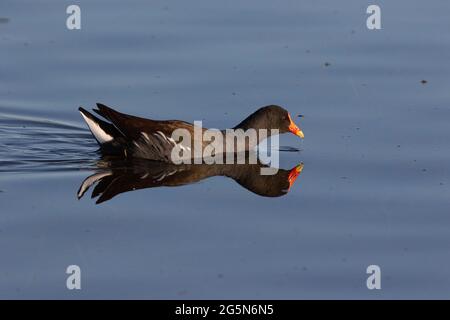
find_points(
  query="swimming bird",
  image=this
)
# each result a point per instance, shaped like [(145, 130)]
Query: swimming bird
[(136, 137)]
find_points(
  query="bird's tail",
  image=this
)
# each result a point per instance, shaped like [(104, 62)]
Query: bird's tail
[(102, 131)]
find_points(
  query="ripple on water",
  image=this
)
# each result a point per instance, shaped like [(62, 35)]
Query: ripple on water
[(30, 144)]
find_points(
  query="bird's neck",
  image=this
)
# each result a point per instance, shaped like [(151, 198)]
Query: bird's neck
[(257, 122), (253, 121)]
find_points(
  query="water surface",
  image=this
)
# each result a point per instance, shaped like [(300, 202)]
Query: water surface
[(375, 184)]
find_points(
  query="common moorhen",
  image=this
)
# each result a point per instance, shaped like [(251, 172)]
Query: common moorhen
[(135, 137)]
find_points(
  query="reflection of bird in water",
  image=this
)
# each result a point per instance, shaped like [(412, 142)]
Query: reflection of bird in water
[(119, 176)]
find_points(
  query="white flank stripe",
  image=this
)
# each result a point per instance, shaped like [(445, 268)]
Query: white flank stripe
[(145, 135)]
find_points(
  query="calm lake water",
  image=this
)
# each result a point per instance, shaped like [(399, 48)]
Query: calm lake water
[(375, 184)]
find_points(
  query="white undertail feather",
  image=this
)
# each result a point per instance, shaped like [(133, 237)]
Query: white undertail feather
[(97, 131)]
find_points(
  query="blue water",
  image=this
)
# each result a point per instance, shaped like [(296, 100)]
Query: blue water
[(375, 183)]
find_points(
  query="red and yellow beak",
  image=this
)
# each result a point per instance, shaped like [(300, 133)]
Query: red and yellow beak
[(294, 129), (293, 174)]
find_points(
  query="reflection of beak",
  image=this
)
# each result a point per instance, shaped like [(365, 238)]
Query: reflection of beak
[(293, 174), (294, 129)]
